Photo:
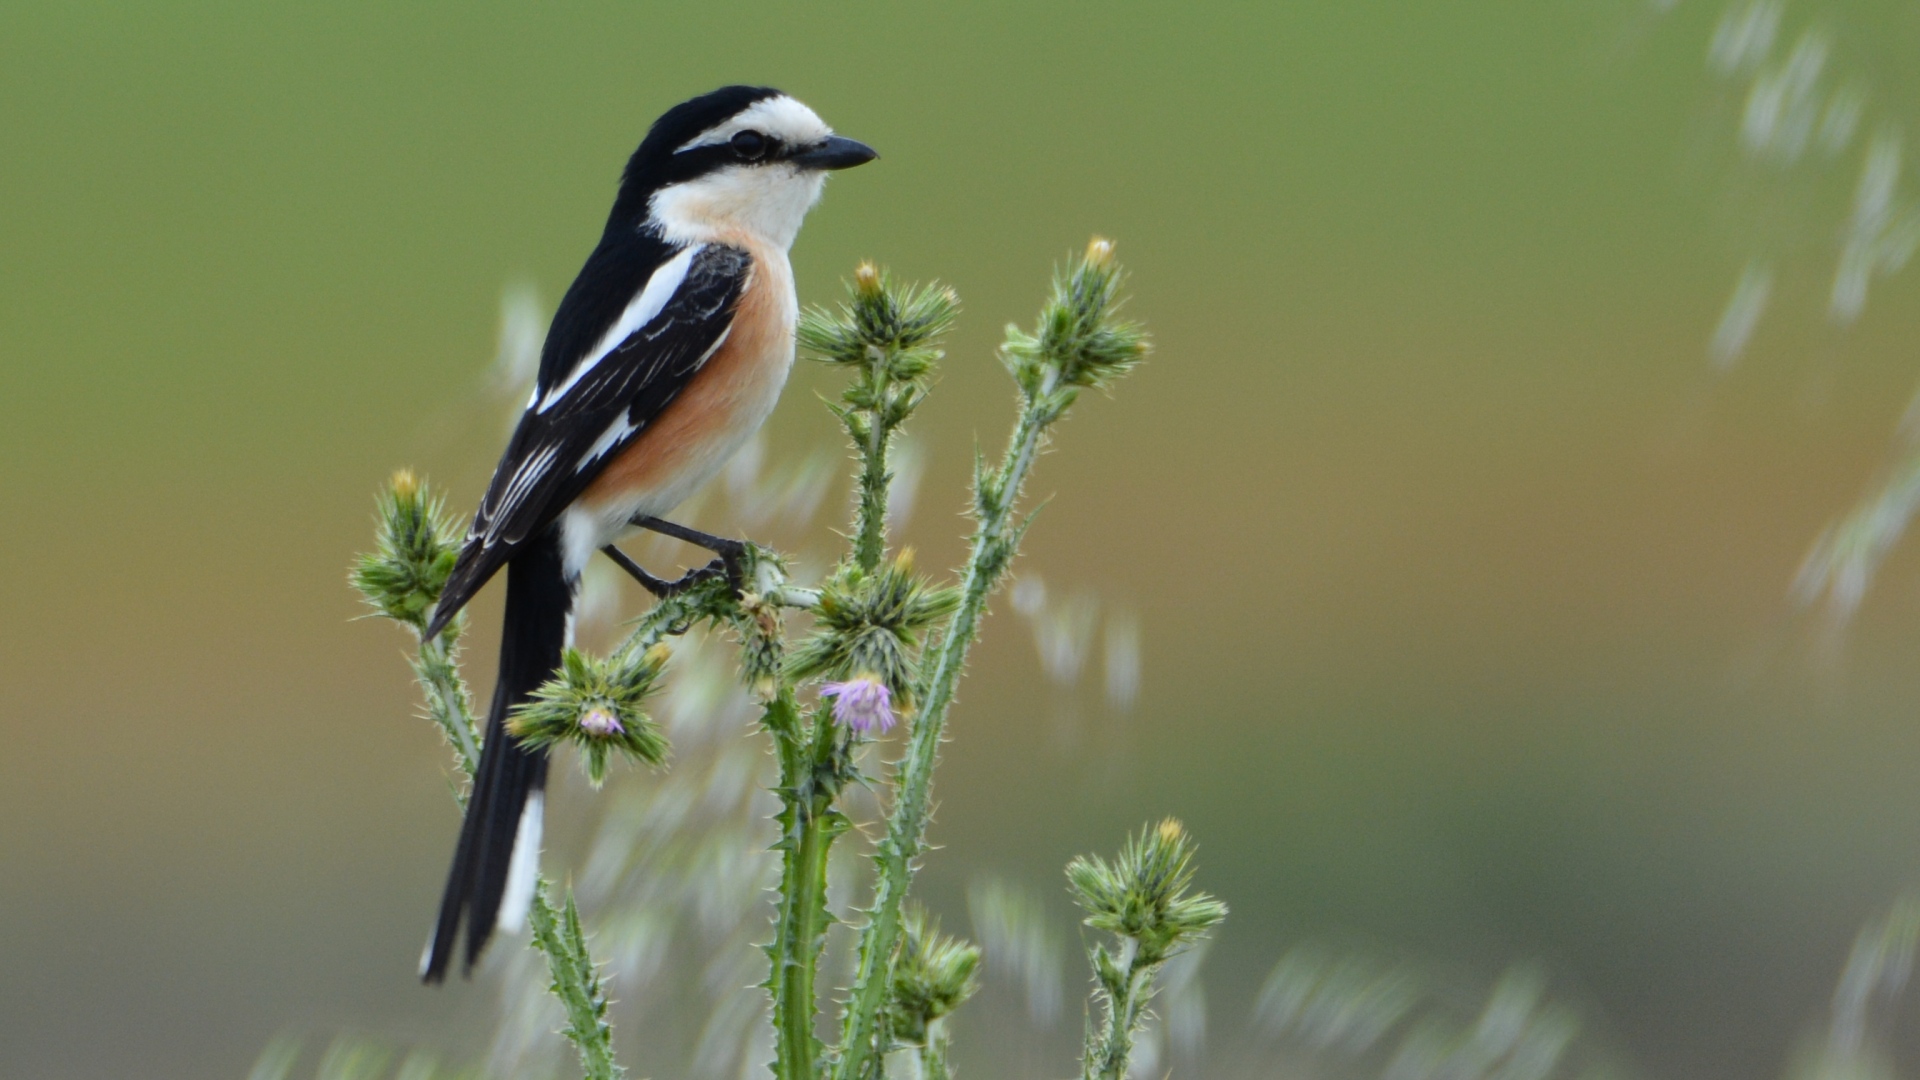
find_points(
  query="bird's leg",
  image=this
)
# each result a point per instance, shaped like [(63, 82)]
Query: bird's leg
[(733, 553), (719, 545), (660, 587)]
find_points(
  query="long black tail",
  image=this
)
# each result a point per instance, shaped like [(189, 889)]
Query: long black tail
[(495, 866)]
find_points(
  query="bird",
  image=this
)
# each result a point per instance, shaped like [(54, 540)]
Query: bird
[(666, 354)]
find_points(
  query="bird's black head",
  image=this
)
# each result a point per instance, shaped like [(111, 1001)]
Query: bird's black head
[(739, 146)]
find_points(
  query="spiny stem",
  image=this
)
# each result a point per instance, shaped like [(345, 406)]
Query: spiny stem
[(992, 550), (448, 705), (1109, 1056), (801, 929), (576, 982), (933, 1053), (870, 534), (808, 827)]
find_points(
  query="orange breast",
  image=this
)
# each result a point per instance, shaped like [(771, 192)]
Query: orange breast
[(721, 406)]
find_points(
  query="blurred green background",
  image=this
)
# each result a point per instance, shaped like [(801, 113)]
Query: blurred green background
[(1462, 572)]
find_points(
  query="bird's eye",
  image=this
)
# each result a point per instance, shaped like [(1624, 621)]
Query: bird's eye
[(750, 145)]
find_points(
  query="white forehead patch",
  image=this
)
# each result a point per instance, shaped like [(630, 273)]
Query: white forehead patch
[(781, 117)]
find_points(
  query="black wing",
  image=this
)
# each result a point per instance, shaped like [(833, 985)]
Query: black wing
[(582, 416)]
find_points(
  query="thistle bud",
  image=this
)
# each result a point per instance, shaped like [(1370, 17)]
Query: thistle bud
[(1145, 893), (1080, 340), (596, 705), (935, 975), (414, 552), (869, 626)]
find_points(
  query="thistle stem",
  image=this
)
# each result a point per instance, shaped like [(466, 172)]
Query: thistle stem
[(933, 1053), (1110, 1054), (808, 827), (994, 539), (576, 982), (802, 928), (448, 706), (870, 534)]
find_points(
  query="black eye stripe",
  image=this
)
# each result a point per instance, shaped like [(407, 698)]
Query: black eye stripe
[(696, 161)]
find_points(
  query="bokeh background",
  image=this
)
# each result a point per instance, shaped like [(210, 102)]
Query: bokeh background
[(1501, 389)]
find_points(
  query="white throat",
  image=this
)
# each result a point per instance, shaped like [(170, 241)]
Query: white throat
[(767, 202)]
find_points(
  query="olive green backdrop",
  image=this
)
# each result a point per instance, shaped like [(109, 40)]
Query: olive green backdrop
[(1463, 575)]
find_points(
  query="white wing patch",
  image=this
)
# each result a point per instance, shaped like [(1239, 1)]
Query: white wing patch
[(616, 433), (781, 117), (643, 309)]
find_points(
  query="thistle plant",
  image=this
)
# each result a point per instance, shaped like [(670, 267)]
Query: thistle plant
[(933, 976), (1080, 341), (1145, 901), (401, 579), (885, 646), (413, 555), (887, 337)]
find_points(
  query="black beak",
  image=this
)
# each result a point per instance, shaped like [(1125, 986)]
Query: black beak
[(834, 153)]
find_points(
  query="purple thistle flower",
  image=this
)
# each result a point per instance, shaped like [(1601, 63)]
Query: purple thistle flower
[(863, 703), (601, 723)]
